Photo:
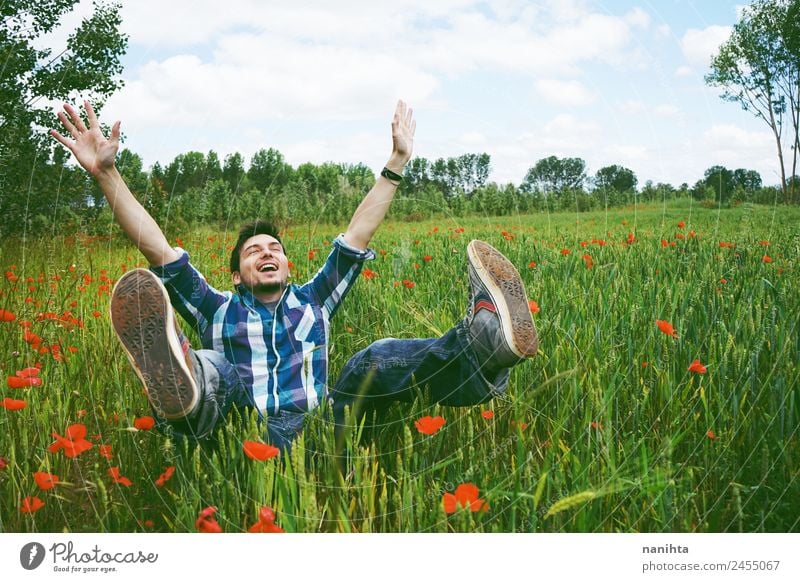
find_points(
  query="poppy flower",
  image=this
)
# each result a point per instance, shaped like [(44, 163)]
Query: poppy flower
[(11, 404), (408, 284), (3, 463), (45, 481), (766, 259), (520, 425), (667, 328), (596, 425), (487, 414), (533, 306), (697, 367), (144, 423), (259, 451), (7, 316), (565, 252), (429, 424), (31, 505), (165, 476), (96, 313), (710, 434), (26, 382), (206, 523), (369, 273), (105, 451), (73, 443), (266, 522), (113, 472), (427, 258), (466, 496), (532, 264)]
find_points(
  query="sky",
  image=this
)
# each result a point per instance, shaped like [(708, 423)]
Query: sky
[(612, 82)]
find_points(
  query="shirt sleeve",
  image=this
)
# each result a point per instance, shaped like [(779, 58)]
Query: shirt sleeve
[(190, 294), (337, 275)]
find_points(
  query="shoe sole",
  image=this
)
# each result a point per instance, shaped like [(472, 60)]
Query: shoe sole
[(142, 317), (502, 281)]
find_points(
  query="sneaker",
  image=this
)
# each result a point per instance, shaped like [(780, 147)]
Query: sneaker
[(145, 324), (501, 329)]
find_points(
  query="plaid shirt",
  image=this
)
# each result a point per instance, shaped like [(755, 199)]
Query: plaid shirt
[(282, 356)]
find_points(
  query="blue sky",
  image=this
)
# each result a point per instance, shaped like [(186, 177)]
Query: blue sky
[(611, 82)]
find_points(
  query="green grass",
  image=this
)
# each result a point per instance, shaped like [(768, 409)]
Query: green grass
[(610, 444)]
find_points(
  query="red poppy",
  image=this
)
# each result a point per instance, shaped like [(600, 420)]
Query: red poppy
[(596, 425), (427, 258), (73, 444), (3, 463), (165, 476), (667, 328), (697, 367), (31, 505), (113, 472), (11, 404), (27, 382), (724, 281), (520, 425), (144, 423), (430, 424), (408, 284), (533, 306), (710, 434), (105, 451), (466, 496), (45, 481), (7, 316), (266, 522), (487, 414), (631, 239), (259, 451), (766, 259), (532, 264), (565, 252), (96, 313), (369, 273), (206, 523)]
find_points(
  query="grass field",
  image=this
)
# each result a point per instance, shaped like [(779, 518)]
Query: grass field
[(605, 430)]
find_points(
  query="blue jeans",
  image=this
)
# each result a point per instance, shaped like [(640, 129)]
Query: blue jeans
[(385, 372)]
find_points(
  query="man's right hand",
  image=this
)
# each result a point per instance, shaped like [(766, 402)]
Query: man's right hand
[(96, 153)]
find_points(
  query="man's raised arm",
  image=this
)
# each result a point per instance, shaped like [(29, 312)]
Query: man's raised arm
[(373, 208), (97, 155)]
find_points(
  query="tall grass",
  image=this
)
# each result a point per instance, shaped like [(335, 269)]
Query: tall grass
[(606, 430)]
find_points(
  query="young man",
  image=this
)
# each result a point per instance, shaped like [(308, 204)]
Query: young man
[(265, 346)]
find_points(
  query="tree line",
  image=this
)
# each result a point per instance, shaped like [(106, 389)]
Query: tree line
[(197, 188)]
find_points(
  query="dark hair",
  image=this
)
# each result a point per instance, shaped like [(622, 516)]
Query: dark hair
[(247, 231)]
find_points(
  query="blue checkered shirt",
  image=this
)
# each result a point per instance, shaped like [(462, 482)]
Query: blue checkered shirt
[(283, 356)]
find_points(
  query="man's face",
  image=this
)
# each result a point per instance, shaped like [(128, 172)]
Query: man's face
[(263, 266)]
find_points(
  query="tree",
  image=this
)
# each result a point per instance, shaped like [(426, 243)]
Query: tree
[(720, 180), (759, 67), (553, 176), (615, 179), (233, 171), (88, 66), (268, 171)]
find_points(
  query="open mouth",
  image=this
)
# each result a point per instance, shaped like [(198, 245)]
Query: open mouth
[(267, 268)]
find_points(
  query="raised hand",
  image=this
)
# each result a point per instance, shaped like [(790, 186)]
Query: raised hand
[(91, 148), (403, 127)]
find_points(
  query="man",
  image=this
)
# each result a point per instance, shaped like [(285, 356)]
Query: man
[(265, 346)]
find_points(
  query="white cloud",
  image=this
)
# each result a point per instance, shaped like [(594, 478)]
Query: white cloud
[(683, 71), (564, 93), (638, 18), (699, 46), (666, 110), (632, 107)]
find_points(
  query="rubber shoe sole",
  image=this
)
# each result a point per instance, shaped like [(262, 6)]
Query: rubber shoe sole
[(143, 319), (502, 281)]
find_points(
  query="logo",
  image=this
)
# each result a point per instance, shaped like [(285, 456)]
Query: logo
[(31, 555)]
